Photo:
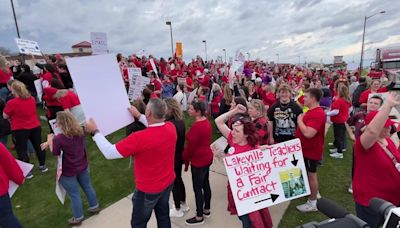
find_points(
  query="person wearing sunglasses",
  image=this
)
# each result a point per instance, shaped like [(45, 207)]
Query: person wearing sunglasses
[(242, 138)]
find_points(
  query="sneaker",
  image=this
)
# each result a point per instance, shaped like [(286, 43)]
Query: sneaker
[(319, 196), (43, 168), (330, 144), (29, 175), (185, 207), (74, 221), (193, 221), (336, 155), (332, 151), (350, 190), (176, 213), (207, 214), (307, 207), (94, 211), (344, 150)]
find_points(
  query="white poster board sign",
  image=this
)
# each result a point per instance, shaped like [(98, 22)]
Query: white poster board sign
[(218, 148), (39, 89), (99, 43), (136, 83), (28, 47), (153, 66), (101, 90), (235, 67), (60, 191), (264, 177), (26, 168)]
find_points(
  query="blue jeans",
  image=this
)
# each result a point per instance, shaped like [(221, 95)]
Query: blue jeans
[(245, 221), (3, 93), (373, 219), (71, 185), (7, 217), (143, 205)]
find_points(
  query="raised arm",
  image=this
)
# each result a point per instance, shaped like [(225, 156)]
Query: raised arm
[(221, 120), (371, 133)]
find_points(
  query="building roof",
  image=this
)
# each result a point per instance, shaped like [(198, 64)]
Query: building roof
[(83, 44)]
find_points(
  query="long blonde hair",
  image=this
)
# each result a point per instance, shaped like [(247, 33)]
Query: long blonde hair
[(68, 124), (19, 89), (175, 108), (3, 64), (344, 93), (228, 94)]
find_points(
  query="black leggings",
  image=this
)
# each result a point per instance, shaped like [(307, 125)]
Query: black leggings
[(178, 191), (21, 140), (202, 190), (339, 132)]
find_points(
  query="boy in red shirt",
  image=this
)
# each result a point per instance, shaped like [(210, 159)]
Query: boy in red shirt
[(310, 130)]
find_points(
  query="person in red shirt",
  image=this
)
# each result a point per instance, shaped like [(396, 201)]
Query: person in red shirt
[(25, 125), (198, 153), (268, 95), (9, 171), (156, 83), (216, 100), (153, 161), (310, 131), (70, 103), (5, 76), (374, 88), (242, 138), (339, 115), (376, 162)]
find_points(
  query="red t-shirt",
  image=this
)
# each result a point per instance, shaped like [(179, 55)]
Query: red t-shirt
[(5, 76), (313, 148), (69, 100), (189, 82), (22, 113), (364, 95), (153, 159), (49, 93), (268, 98), (343, 106), (198, 140), (215, 103), (9, 170), (375, 174)]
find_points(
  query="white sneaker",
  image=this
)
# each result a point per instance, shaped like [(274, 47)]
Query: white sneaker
[(332, 151), (336, 155), (184, 207), (307, 207), (319, 196), (350, 189), (330, 144), (173, 212)]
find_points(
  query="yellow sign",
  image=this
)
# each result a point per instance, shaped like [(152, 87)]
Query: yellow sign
[(179, 49)]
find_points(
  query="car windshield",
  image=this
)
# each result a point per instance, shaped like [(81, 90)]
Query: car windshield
[(391, 65)]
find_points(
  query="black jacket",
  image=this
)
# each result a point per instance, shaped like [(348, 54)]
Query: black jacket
[(29, 80), (356, 94)]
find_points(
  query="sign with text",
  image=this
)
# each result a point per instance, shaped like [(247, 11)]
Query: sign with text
[(39, 89), (179, 49), (136, 83), (267, 176), (28, 47), (99, 43), (60, 191)]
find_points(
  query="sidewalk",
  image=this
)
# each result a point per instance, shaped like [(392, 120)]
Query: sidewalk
[(119, 214)]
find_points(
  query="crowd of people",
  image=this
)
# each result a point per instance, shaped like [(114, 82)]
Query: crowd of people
[(260, 104)]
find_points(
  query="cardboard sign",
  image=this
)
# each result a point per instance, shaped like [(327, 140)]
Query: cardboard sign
[(26, 168), (28, 47), (60, 191), (99, 43), (136, 83), (39, 89), (101, 90), (264, 177)]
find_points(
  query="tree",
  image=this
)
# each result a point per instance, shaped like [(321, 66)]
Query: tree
[(4, 51)]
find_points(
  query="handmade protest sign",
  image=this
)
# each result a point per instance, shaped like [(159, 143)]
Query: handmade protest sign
[(39, 89), (28, 47), (153, 66), (60, 191), (179, 49), (101, 90), (26, 168), (136, 83), (264, 177), (99, 43)]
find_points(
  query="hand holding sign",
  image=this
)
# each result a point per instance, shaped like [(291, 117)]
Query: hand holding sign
[(90, 126)]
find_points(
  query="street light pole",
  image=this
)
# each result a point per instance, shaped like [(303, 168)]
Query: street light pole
[(205, 47), (225, 54), (15, 19), (172, 41), (363, 37)]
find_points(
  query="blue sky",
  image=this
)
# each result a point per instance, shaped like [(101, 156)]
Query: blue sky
[(312, 29)]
